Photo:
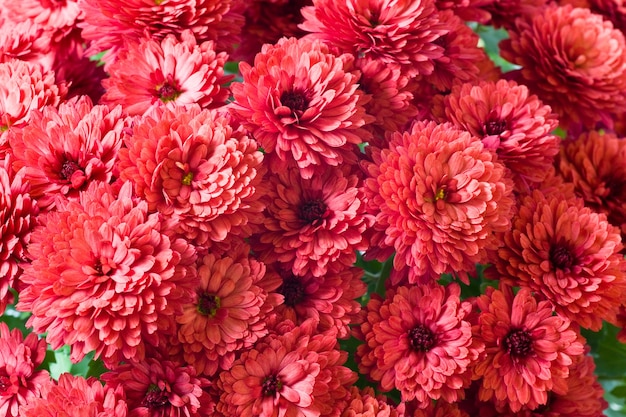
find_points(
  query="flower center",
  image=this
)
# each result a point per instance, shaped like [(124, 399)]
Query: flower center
[(5, 384), (441, 194), (292, 290), (296, 101), (313, 210), (68, 168), (155, 398), (168, 92), (561, 257), (271, 386), (421, 338), (208, 304), (187, 178), (518, 343), (494, 127)]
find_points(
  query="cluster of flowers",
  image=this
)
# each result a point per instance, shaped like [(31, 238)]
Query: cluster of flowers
[(199, 232)]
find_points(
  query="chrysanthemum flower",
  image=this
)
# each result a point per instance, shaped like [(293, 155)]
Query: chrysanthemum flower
[(77, 397), (570, 255), (438, 196), (613, 10), (512, 123), (104, 276), (419, 340), (109, 24), (574, 60), (65, 149), (528, 349), (301, 102), (20, 382), (391, 97), (196, 166), (391, 32), (17, 217), (156, 388), (24, 87), (595, 163), (26, 41), (328, 299), (225, 314), (434, 409), (504, 12), (313, 225), (58, 15), (365, 403), (294, 374), (169, 73)]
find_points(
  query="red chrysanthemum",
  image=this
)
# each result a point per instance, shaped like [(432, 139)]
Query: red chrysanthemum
[(528, 349), (65, 149), (512, 123), (302, 103), (226, 313), (109, 24), (313, 225), (365, 403), (613, 10), (438, 196), (504, 12), (330, 300), (55, 15), (294, 374), (17, 217), (20, 382), (24, 87), (197, 167), (170, 72), (393, 32), (434, 409), (26, 41), (76, 396), (595, 163), (157, 388), (574, 60), (419, 340), (570, 255), (104, 276)]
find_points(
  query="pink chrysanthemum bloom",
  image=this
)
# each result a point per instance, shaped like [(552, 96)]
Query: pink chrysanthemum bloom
[(104, 276), (419, 341), (528, 349), (313, 225), (329, 299), (574, 60), (391, 97), (107, 26), (393, 32), (365, 403), (24, 87), (504, 12), (569, 254), (26, 41), (56, 15), (511, 122), (197, 167), (302, 103), (293, 374), (64, 149), (157, 388), (17, 217), (434, 409), (169, 73), (438, 196), (20, 382), (595, 163), (76, 396), (225, 314)]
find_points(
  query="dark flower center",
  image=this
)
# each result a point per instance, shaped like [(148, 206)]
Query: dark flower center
[(168, 92), (561, 257), (518, 343), (292, 290), (208, 304), (296, 101), (68, 168), (271, 386), (5, 384), (494, 127), (421, 338), (312, 210), (155, 398)]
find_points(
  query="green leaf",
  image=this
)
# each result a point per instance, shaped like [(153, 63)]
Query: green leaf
[(610, 355)]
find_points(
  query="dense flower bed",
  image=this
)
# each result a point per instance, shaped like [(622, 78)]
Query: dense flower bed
[(275, 208)]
